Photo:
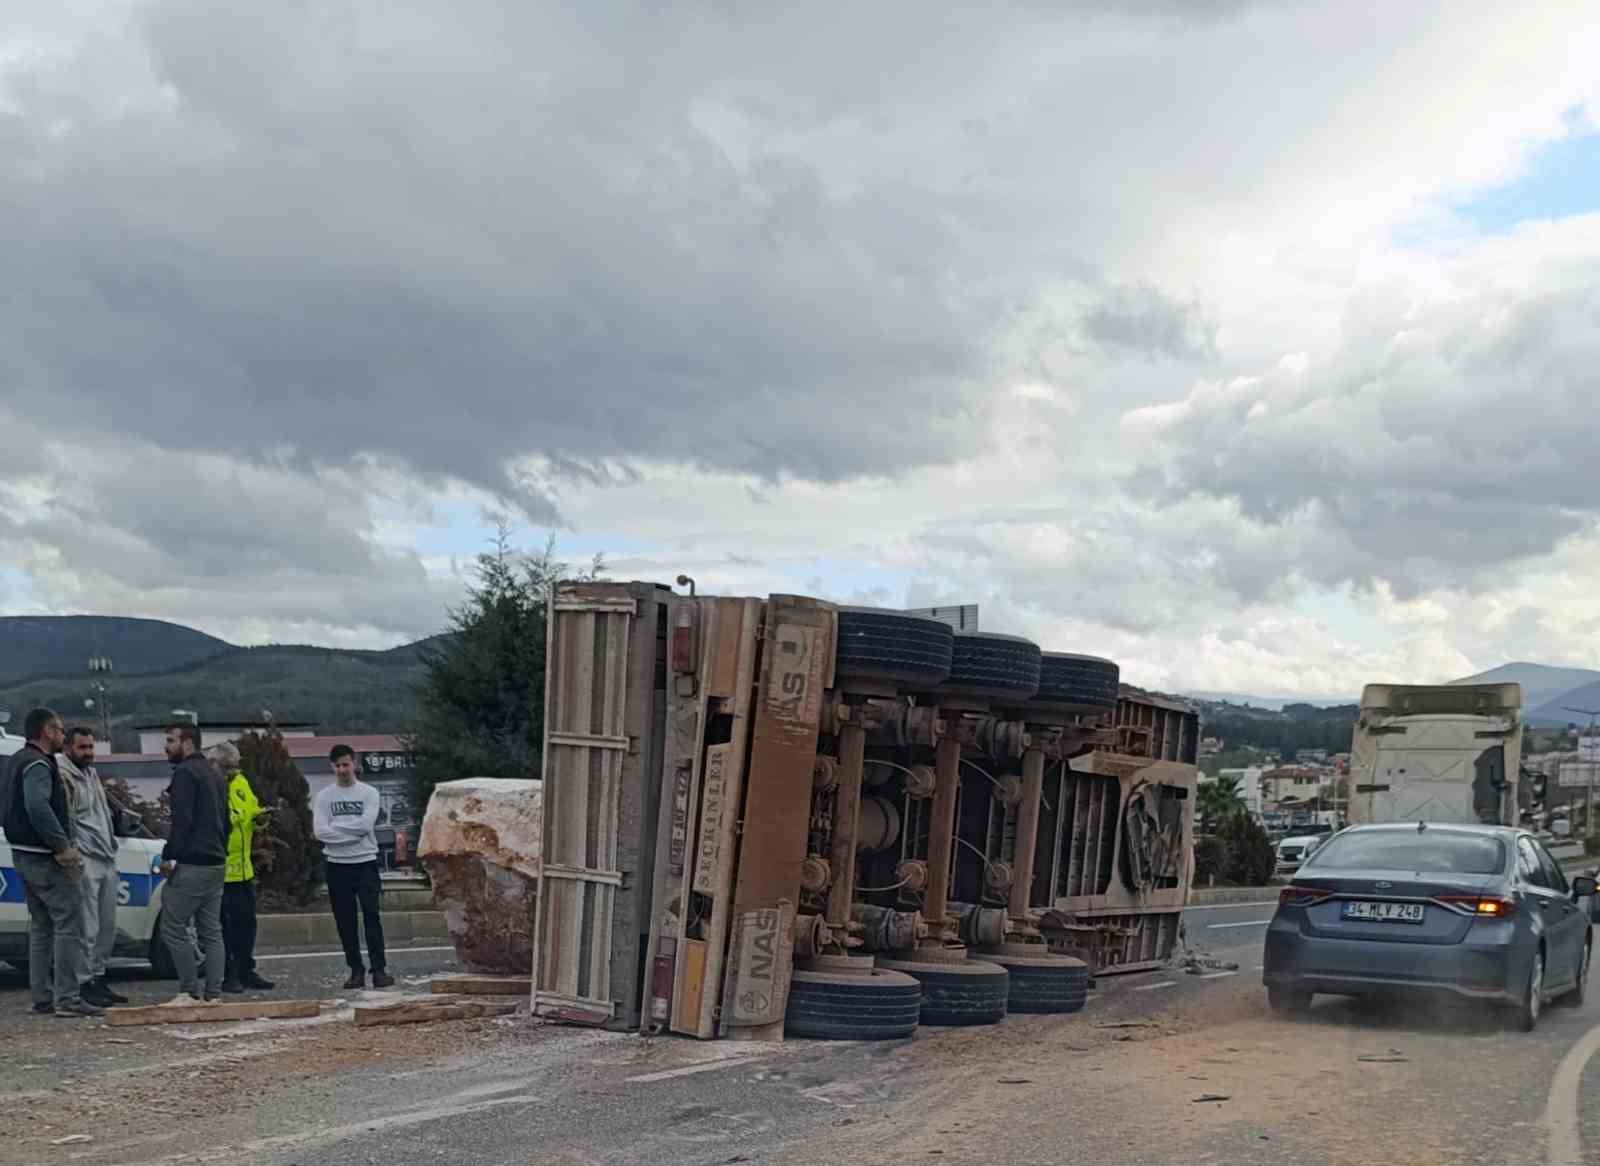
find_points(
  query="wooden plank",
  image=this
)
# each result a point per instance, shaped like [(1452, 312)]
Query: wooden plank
[(428, 1011), (212, 1013), (692, 961), (481, 985)]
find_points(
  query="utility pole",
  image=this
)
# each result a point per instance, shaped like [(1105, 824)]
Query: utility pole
[(1588, 811)]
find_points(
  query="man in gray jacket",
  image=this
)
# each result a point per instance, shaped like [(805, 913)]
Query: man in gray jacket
[(39, 825), (96, 833)]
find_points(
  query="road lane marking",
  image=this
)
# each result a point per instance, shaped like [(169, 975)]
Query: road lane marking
[(1565, 1145), (686, 1070), (1246, 923), (1153, 987), (1215, 975), (319, 955), (1231, 906)]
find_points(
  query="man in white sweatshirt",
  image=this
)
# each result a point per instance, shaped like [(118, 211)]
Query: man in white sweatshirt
[(344, 818)]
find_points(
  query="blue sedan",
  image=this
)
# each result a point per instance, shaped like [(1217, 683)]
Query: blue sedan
[(1480, 912)]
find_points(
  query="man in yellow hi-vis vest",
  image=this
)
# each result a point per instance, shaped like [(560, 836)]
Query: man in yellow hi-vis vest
[(239, 879)]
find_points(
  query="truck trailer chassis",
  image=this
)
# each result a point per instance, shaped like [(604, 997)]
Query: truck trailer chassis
[(750, 800)]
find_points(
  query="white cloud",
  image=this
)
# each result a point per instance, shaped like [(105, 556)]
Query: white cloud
[(1148, 325)]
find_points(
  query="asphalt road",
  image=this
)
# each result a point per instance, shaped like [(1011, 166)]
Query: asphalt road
[(1121, 1082)]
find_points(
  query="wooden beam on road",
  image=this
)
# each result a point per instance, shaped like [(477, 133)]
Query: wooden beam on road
[(482, 985), (212, 1013), (424, 1011)]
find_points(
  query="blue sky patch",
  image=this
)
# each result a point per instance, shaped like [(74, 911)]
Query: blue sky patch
[(1562, 179)]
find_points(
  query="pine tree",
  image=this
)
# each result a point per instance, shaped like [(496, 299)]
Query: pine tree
[(287, 861), (482, 700)]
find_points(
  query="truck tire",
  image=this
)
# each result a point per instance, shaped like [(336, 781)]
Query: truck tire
[(1077, 682), (874, 1005), (957, 992), (1045, 983), (878, 644), (993, 667)]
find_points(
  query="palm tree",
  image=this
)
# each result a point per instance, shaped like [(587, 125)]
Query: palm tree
[(1218, 799)]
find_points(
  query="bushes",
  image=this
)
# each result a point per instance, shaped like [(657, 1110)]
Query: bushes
[(287, 860), (1250, 856), (1238, 854), (1210, 860)]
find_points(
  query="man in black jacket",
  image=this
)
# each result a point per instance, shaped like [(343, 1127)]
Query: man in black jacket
[(38, 806), (194, 862)]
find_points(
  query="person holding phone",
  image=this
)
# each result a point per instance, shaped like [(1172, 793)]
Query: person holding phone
[(239, 877)]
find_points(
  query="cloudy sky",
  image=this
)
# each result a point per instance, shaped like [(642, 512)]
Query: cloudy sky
[(1252, 344)]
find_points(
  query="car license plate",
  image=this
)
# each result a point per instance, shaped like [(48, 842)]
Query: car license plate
[(1383, 912)]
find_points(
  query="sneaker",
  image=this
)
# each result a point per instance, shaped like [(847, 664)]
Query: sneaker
[(93, 994), (382, 980), (233, 987), (78, 1009), (356, 980), (256, 983), (108, 991), (183, 1000), (45, 1009), (212, 997)]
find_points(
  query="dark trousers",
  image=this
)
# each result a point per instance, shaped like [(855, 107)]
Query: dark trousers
[(239, 927), (348, 884)]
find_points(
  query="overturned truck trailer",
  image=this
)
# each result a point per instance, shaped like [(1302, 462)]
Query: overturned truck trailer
[(777, 815)]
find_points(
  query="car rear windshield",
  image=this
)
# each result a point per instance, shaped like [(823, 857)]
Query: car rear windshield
[(1436, 850)]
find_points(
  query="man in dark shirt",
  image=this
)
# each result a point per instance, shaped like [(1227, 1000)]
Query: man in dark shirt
[(39, 825), (194, 862)]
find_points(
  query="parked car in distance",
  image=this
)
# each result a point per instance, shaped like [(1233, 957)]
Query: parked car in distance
[(1476, 911), (1296, 848), (138, 906)]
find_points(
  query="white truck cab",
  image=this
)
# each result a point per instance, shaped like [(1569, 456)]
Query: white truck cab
[(1437, 753)]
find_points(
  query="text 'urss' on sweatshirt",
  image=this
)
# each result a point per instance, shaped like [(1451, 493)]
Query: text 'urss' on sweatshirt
[(343, 818)]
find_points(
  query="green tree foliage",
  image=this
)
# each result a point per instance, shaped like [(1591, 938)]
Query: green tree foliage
[(287, 860), (1217, 800), (1296, 727), (1250, 857), (1210, 860), (156, 816), (482, 698)]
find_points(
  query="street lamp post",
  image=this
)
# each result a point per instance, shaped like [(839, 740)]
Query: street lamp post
[(100, 667)]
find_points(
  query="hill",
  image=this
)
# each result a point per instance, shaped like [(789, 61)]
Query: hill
[(343, 691), (40, 645), (1541, 684)]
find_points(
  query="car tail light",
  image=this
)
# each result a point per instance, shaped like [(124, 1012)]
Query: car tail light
[(1481, 906), (1292, 896)]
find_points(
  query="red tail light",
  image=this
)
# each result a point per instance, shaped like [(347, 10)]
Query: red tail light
[(1293, 896), (1481, 906)]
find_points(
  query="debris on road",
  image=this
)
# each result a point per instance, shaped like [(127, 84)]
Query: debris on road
[(73, 1140), (1212, 1097), (1392, 1057), (1198, 965), (426, 1010), (212, 1013), (1014, 1080)]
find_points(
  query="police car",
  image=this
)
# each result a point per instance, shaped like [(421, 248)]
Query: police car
[(138, 906)]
